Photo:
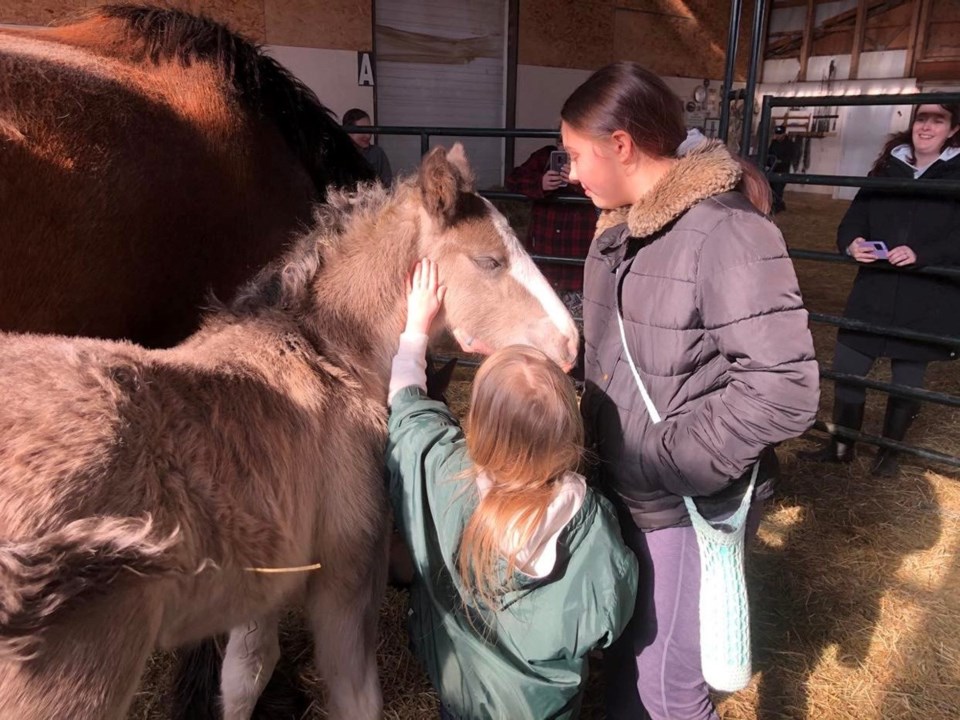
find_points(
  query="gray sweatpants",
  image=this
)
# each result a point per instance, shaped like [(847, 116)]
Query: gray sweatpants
[(653, 670)]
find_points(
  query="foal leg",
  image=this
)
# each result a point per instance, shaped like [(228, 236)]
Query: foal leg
[(344, 623), (252, 653), (343, 607)]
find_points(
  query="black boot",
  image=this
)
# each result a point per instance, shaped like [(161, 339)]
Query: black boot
[(839, 450), (896, 421)]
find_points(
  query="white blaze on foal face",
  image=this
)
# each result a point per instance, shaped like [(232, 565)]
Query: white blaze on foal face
[(496, 296), (526, 272)]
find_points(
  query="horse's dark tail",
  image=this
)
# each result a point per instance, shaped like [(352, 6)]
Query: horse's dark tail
[(41, 577)]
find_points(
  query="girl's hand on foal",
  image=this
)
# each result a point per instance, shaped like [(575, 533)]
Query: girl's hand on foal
[(424, 297)]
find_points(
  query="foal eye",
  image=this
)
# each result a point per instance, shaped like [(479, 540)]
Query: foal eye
[(487, 263)]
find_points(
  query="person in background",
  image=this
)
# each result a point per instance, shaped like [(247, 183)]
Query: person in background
[(779, 157), (917, 229), (556, 229), (520, 570), (373, 154)]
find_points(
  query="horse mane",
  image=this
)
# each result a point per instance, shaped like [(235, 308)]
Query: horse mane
[(262, 86), (285, 283)]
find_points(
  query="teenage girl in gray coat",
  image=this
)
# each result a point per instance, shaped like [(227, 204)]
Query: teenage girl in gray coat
[(714, 321)]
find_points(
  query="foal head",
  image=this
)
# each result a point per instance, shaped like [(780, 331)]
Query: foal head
[(495, 296), (344, 280)]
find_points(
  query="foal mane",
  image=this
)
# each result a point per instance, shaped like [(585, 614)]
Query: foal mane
[(262, 86), (285, 284)]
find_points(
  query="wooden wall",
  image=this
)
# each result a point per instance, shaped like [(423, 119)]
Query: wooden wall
[(684, 39), (331, 24), (929, 30)]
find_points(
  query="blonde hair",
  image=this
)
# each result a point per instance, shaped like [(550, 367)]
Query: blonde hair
[(524, 432)]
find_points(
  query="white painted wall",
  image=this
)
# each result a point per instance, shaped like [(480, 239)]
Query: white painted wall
[(331, 74), (873, 65), (466, 93), (541, 92)]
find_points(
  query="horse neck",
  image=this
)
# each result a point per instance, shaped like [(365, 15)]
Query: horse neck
[(360, 294)]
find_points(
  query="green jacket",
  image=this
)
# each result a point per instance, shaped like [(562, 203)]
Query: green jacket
[(528, 660)]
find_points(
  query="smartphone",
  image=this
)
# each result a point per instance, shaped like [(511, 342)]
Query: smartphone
[(559, 159), (879, 249)]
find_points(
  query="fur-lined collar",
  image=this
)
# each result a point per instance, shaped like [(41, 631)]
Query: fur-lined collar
[(706, 170)]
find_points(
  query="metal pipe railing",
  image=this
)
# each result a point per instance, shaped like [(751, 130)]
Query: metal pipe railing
[(753, 70), (947, 272), (425, 133), (907, 185), (926, 454), (819, 256), (902, 333), (903, 391), (733, 38), (772, 101), (560, 199)]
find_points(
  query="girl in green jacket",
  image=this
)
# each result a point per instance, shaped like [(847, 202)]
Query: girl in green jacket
[(519, 567)]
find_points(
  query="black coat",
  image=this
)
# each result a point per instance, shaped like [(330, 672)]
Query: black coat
[(930, 225)]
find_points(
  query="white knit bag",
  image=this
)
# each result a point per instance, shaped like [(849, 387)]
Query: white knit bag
[(724, 607)]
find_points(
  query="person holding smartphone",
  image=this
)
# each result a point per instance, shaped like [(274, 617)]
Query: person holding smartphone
[(904, 229), (556, 229)]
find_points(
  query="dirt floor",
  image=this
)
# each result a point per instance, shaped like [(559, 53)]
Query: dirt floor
[(854, 582)]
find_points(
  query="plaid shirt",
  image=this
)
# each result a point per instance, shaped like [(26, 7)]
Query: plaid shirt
[(558, 229)]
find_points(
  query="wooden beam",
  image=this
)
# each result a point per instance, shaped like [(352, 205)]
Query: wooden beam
[(912, 36), (807, 39), (859, 29), (767, 14), (787, 43), (921, 46), (938, 69), (796, 3)]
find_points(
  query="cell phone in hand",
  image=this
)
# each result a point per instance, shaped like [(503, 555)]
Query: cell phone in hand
[(879, 248), (559, 159)]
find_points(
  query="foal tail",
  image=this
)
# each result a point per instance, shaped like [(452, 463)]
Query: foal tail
[(40, 578)]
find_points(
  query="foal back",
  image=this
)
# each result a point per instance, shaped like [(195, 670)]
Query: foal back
[(138, 490)]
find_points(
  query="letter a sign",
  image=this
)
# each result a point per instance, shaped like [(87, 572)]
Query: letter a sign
[(364, 69)]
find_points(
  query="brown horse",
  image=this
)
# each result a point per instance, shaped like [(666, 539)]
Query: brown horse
[(148, 157), (142, 492)]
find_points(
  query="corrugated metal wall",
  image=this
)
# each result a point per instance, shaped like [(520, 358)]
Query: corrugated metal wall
[(441, 63)]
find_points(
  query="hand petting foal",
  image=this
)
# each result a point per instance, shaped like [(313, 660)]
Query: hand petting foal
[(424, 297)]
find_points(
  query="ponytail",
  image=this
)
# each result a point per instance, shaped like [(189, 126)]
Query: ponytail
[(754, 185)]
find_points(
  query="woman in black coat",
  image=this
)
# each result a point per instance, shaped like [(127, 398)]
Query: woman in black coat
[(918, 229)]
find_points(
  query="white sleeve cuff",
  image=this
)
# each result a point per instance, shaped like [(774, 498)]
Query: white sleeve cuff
[(409, 364)]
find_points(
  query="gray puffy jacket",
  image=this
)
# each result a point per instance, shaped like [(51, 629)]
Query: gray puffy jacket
[(715, 323)]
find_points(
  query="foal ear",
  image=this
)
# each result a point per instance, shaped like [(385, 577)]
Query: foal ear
[(444, 176), (458, 158)]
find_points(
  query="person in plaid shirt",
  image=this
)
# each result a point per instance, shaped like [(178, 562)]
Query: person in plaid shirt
[(558, 229)]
